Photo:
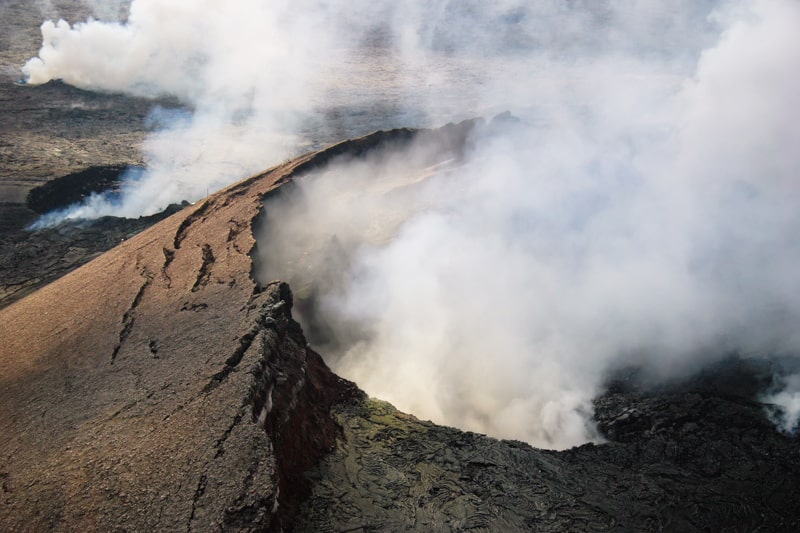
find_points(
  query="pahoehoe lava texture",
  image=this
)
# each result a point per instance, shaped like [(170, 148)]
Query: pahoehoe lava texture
[(217, 415)]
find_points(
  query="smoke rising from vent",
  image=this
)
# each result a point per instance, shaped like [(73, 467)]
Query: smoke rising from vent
[(631, 218), (268, 80), (244, 71), (787, 401), (642, 210)]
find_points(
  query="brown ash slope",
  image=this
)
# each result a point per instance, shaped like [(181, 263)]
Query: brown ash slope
[(159, 387), (128, 387), (31, 259)]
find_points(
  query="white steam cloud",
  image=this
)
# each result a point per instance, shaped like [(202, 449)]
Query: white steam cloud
[(267, 80), (635, 216), (643, 211), (243, 69), (787, 401)]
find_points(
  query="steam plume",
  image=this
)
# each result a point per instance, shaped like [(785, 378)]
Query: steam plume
[(266, 80), (633, 217)]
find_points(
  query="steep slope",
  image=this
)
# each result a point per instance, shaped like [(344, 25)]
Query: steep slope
[(127, 388)]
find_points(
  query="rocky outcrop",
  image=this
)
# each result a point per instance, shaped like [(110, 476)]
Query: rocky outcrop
[(291, 397)]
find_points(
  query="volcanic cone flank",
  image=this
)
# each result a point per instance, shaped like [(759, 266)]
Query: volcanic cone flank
[(134, 382)]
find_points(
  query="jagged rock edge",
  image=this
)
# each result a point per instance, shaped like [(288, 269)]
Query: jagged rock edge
[(295, 414)]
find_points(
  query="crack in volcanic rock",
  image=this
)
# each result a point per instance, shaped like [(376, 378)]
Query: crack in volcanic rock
[(196, 215), (129, 317), (245, 341), (198, 493), (169, 257), (204, 272), (236, 229)]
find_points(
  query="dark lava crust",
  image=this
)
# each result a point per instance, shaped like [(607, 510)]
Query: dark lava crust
[(692, 456), (31, 259), (75, 187)]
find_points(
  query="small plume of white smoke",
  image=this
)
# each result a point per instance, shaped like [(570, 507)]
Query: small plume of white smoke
[(634, 216), (787, 400)]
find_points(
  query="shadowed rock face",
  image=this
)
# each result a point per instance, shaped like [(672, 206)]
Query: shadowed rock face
[(158, 387)]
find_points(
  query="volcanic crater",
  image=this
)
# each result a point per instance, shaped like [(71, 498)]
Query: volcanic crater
[(150, 379), (160, 387)]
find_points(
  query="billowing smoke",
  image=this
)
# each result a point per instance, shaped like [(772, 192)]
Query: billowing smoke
[(642, 210), (787, 401), (632, 216), (263, 81), (245, 72)]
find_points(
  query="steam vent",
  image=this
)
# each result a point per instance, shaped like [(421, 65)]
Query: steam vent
[(575, 312)]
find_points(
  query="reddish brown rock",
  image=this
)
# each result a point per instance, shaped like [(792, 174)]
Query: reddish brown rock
[(129, 388)]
